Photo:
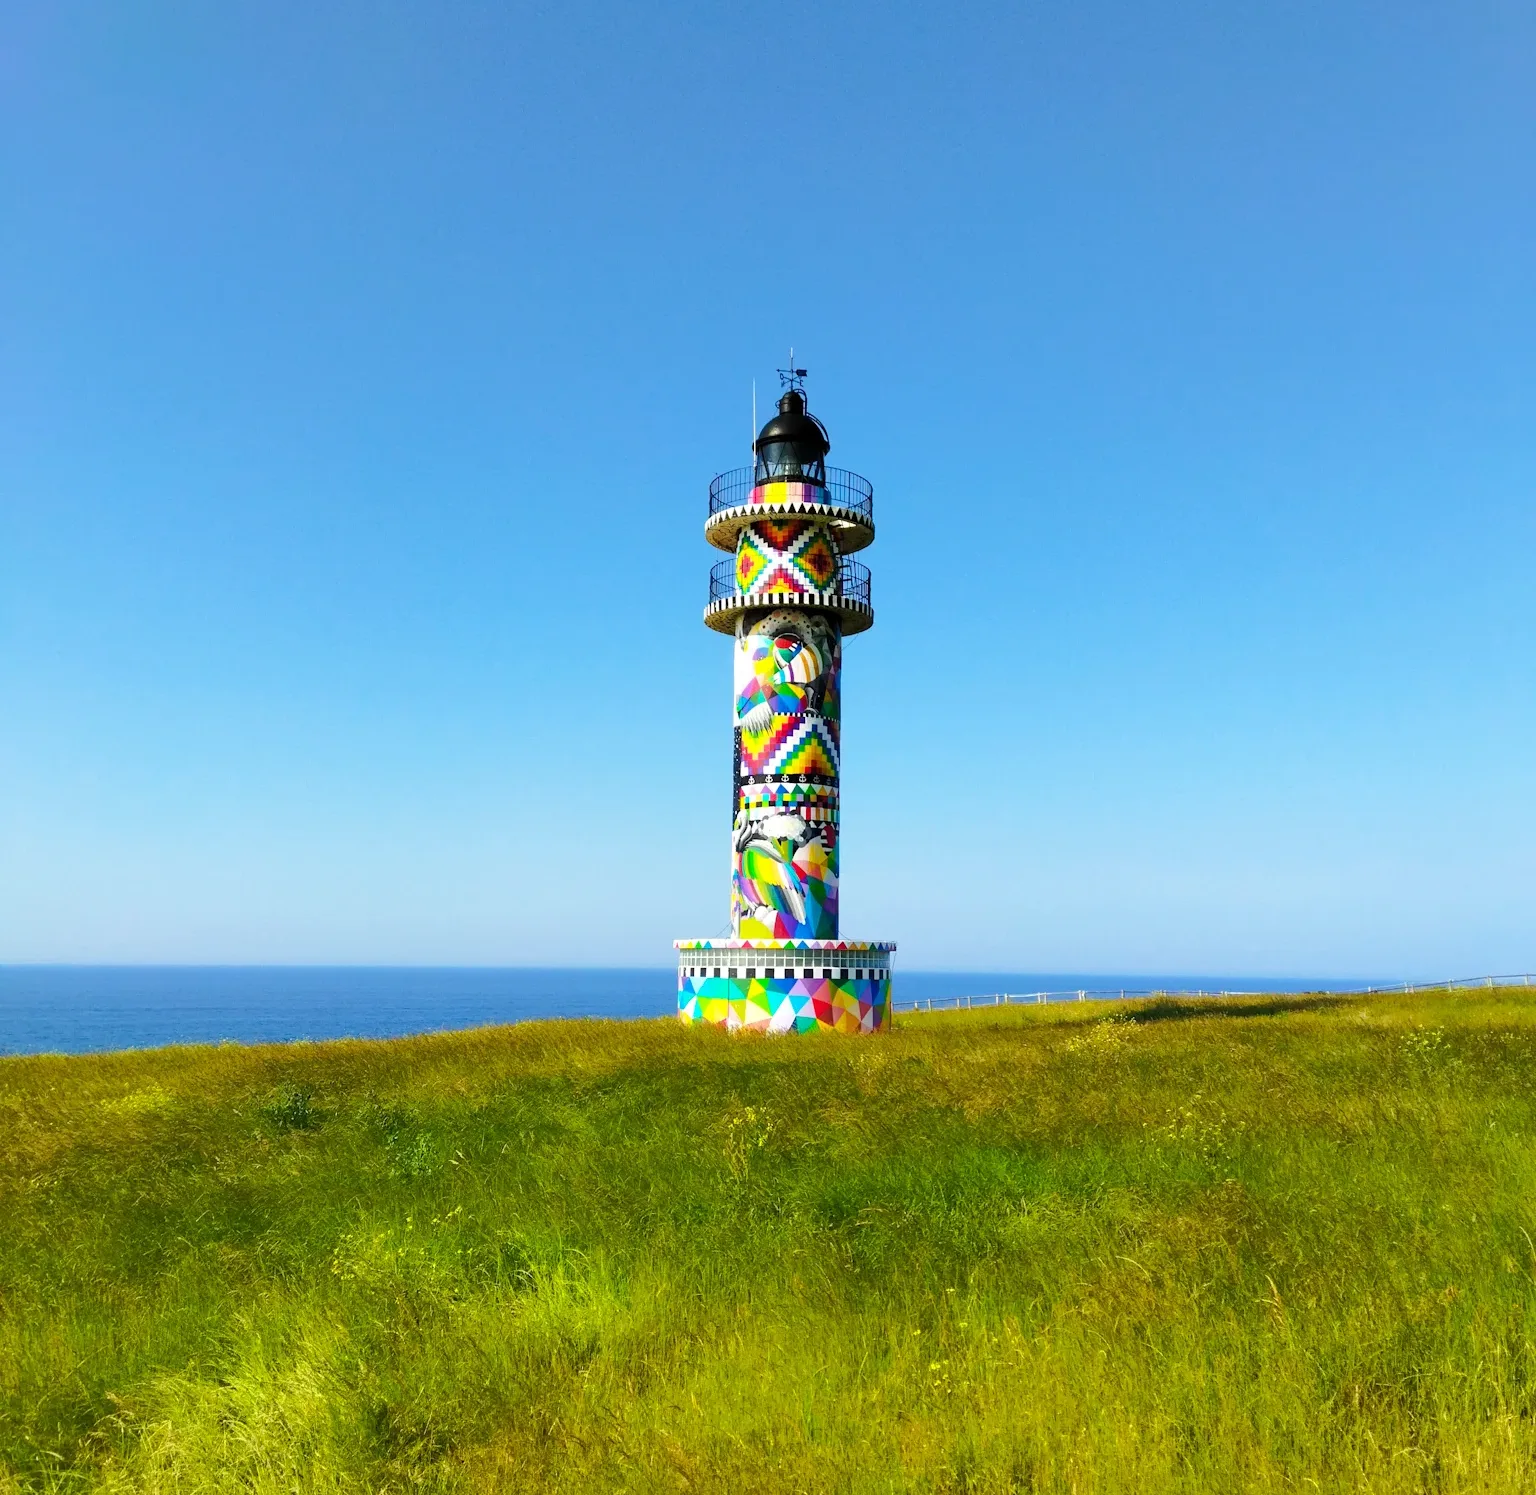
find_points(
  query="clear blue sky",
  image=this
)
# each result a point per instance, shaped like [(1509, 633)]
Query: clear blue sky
[(363, 368)]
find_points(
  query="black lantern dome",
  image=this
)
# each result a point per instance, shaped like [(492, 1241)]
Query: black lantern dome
[(793, 444)]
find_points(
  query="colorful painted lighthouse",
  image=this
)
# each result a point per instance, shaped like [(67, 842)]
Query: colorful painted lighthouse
[(788, 596)]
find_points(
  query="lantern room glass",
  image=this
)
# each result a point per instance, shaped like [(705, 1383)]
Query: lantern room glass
[(779, 460)]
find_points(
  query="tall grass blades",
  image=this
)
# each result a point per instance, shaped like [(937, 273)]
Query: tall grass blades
[(1269, 1244)]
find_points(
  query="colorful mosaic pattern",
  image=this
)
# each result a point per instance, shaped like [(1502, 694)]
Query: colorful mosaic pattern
[(776, 495), (785, 836), (811, 801), (785, 555), (848, 952), (791, 744), (785, 1005)]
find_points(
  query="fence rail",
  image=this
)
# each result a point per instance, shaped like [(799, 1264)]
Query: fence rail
[(1086, 994), (847, 490), (852, 580)]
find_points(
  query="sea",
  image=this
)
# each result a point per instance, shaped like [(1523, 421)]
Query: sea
[(84, 1009)]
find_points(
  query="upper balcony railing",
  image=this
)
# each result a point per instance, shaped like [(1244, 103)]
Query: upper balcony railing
[(852, 580), (845, 490)]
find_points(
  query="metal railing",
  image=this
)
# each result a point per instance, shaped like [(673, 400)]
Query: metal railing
[(845, 490), (1086, 994), (853, 580)]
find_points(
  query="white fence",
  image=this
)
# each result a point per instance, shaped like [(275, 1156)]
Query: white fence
[(1084, 994)]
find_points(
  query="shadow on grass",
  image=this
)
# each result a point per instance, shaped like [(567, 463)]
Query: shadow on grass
[(1177, 1009)]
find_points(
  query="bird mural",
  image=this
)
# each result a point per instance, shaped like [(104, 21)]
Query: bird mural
[(785, 677), (785, 857), (786, 879)]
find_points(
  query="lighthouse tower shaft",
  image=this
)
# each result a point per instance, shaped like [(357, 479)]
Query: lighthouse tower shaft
[(788, 596)]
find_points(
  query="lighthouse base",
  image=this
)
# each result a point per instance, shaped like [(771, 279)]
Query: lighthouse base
[(785, 986)]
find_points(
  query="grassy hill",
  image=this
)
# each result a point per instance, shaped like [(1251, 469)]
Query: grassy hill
[(1265, 1244)]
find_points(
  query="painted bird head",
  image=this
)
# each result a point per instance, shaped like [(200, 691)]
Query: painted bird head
[(781, 668)]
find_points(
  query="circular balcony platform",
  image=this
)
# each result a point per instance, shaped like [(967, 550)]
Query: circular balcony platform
[(845, 502), (855, 616), (850, 600)]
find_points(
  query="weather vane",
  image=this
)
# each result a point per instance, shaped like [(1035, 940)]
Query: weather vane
[(793, 378)]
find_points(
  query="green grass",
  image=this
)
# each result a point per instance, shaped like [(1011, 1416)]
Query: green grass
[(1272, 1244)]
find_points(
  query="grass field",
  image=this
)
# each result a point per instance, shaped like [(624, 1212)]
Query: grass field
[(1263, 1244)]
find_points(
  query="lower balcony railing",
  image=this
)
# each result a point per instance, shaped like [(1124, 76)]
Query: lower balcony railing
[(852, 580)]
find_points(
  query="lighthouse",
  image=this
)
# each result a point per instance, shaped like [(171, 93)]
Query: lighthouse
[(787, 596)]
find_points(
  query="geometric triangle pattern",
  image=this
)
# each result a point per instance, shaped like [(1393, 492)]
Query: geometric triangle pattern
[(812, 750), (781, 534), (804, 743), (786, 1005), (777, 577), (760, 744), (812, 802), (785, 556)]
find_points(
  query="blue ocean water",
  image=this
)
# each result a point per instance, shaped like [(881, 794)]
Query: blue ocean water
[(81, 1009)]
